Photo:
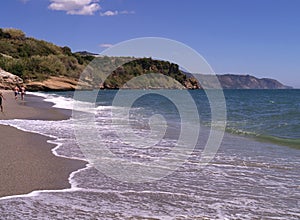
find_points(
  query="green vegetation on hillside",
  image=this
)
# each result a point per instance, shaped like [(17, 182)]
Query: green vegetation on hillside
[(138, 67), (36, 60)]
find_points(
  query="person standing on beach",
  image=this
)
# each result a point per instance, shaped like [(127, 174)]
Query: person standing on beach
[(16, 90), (22, 92), (1, 98)]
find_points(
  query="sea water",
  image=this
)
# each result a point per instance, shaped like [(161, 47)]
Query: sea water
[(254, 175)]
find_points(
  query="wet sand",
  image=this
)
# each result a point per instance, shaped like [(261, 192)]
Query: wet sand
[(26, 161), (32, 107)]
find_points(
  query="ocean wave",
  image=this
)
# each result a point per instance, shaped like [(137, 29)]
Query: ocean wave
[(57, 100), (289, 142), (295, 143)]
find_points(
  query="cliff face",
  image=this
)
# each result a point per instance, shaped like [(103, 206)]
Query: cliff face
[(57, 84), (8, 80)]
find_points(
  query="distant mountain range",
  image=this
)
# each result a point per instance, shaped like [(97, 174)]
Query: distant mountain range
[(86, 53), (230, 81), (43, 66), (241, 81)]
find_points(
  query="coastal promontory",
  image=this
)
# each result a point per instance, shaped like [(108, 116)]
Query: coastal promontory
[(44, 66)]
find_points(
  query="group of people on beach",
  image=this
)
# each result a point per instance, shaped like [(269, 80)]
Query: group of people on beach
[(17, 90)]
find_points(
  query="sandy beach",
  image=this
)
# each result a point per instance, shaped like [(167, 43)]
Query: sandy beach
[(32, 107), (26, 160)]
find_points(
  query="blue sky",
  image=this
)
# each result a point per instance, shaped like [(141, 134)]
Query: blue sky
[(259, 37)]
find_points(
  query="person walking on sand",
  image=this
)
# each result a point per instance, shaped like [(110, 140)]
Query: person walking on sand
[(22, 92), (1, 98), (16, 90)]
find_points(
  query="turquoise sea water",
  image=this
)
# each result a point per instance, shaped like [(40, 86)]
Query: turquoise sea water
[(254, 174), (266, 115)]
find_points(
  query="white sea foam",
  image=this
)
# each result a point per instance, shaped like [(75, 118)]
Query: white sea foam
[(66, 102)]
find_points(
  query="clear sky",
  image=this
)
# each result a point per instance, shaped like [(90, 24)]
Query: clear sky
[(259, 37)]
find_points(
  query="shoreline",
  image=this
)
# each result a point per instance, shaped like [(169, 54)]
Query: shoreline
[(27, 161), (32, 107)]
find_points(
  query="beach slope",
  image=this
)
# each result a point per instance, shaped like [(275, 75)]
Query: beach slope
[(26, 161)]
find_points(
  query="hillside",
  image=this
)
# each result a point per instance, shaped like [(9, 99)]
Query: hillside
[(44, 66), (37, 60), (232, 81)]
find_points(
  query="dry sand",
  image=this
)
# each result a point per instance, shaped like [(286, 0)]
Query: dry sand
[(26, 160)]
